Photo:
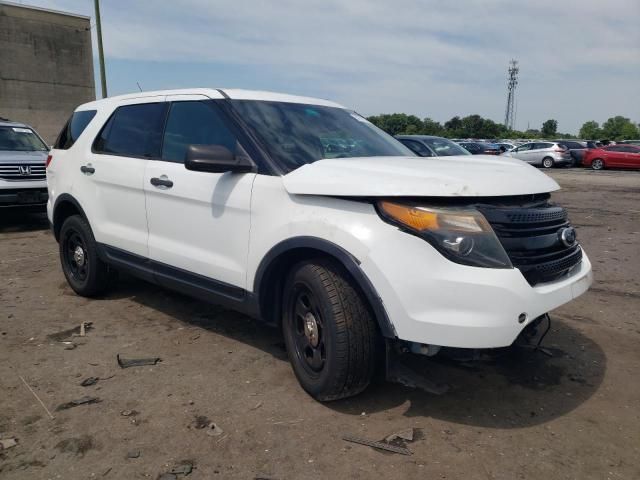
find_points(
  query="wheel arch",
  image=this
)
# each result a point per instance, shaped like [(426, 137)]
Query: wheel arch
[(66, 205), (271, 272)]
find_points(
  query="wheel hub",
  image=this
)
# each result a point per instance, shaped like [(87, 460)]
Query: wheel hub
[(311, 329), (78, 256)]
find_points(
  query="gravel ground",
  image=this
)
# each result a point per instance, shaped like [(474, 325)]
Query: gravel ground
[(522, 415)]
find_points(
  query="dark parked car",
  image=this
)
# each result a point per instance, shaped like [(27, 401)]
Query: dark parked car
[(593, 144), (479, 148), (430, 146), (576, 149), (630, 142)]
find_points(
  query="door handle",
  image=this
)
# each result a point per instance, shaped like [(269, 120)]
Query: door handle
[(87, 169), (161, 181)]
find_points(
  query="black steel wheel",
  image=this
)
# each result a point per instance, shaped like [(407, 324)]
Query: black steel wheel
[(331, 336), (309, 339), (75, 255), (86, 274)]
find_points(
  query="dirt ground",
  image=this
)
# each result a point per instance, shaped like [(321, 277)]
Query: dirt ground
[(523, 415)]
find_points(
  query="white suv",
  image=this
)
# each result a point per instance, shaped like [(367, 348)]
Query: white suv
[(23, 154), (301, 213)]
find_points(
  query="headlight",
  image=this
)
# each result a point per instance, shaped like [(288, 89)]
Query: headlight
[(462, 235)]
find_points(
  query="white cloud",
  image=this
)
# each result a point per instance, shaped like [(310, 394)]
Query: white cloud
[(580, 60)]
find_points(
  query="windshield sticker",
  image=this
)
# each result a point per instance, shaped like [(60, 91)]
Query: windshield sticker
[(21, 130)]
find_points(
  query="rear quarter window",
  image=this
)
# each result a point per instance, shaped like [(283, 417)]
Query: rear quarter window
[(73, 129)]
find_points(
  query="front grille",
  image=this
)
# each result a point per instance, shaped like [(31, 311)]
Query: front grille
[(531, 236), (23, 171)]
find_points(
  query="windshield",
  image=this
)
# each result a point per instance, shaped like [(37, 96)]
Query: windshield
[(20, 139), (296, 134), (444, 147)]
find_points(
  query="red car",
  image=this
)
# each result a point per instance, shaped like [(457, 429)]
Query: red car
[(615, 156)]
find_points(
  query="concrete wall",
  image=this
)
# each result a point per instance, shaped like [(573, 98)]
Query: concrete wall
[(46, 66)]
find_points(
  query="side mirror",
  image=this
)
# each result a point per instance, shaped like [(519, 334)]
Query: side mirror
[(216, 159)]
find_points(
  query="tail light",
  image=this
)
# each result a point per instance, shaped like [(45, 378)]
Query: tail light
[(49, 158)]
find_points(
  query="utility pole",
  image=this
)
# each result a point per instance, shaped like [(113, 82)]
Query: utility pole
[(510, 112), (103, 76)]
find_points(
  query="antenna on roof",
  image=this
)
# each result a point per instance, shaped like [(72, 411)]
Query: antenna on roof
[(139, 87)]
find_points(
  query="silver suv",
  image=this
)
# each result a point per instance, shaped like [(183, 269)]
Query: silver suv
[(23, 155), (541, 154)]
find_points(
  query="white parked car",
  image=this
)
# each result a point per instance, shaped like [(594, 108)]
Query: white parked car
[(542, 154), (301, 213)]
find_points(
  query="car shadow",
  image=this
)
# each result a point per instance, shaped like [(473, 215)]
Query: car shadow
[(514, 388), (12, 221)]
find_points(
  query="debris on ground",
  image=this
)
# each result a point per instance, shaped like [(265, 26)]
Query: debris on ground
[(133, 454), (129, 413), (214, 430), (399, 373), (76, 445), (80, 401), (87, 382), (64, 334), (7, 443), (137, 362), (201, 422), (256, 406), (184, 468), (69, 345), (401, 435), (36, 396), (167, 476), (379, 445)]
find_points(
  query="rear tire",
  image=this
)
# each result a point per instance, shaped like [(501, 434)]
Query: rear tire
[(86, 274), (547, 162), (597, 164), (330, 333)]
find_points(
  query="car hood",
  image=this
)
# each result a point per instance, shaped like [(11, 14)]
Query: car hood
[(459, 176), (11, 156)]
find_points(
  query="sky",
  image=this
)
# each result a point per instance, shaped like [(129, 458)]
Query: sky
[(579, 59)]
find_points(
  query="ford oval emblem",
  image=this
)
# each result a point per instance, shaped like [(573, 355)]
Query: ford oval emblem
[(568, 236)]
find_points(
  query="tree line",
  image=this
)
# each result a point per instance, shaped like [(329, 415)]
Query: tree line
[(475, 126)]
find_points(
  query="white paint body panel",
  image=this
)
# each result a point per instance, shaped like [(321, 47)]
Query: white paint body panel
[(465, 176), (428, 298), (202, 223)]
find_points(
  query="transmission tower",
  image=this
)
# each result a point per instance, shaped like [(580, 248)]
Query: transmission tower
[(510, 112)]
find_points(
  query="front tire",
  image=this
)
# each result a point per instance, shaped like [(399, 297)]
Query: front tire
[(597, 164), (86, 274), (547, 162), (329, 331)]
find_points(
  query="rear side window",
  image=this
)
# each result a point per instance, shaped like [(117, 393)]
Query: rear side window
[(539, 146), (133, 131), (417, 148), (629, 149), (194, 123), (73, 129)]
